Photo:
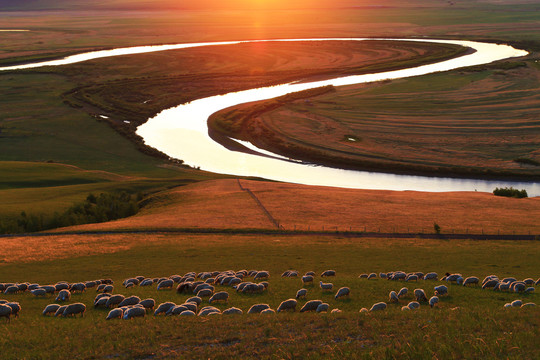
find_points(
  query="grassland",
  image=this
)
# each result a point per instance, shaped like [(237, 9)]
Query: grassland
[(54, 152), (468, 323)]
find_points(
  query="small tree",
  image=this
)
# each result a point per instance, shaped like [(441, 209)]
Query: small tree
[(437, 228)]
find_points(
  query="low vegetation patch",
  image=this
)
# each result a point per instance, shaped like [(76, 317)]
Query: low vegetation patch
[(510, 192), (95, 209)]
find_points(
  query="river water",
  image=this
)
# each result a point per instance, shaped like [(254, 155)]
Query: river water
[(181, 132)]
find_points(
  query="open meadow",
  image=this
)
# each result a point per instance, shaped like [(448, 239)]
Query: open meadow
[(68, 146)]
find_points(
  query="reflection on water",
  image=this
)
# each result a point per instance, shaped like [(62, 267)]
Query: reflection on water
[(182, 132)]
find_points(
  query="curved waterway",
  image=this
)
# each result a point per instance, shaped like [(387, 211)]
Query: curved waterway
[(182, 132)]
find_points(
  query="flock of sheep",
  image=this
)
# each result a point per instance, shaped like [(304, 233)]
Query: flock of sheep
[(202, 286)]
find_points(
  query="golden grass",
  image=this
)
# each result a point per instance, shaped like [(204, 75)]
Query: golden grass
[(222, 204)]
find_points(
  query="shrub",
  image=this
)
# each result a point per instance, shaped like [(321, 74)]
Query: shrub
[(510, 192)]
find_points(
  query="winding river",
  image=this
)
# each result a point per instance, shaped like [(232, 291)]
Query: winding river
[(181, 132)]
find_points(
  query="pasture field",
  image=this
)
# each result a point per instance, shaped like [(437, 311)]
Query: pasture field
[(469, 323), (207, 205)]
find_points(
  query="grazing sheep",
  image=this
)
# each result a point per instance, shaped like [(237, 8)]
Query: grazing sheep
[(114, 300), (336, 310), (378, 306), (322, 308), (261, 275), (420, 295), (431, 276), (363, 276), (301, 293), (31, 287), (50, 309), (529, 290), (100, 287), (459, 280), (517, 303), (383, 275), (289, 304), (490, 277), (413, 305), (191, 306), (310, 273), (205, 293), (134, 312), (148, 304), (115, 314), (537, 282), (49, 289), (257, 308), (433, 300), (507, 305), (163, 308), (502, 286), (90, 284), (15, 308), (184, 287), (203, 286), (326, 286), (63, 295), (490, 284), (5, 311), (311, 305), (219, 296), (232, 311), (398, 275), (74, 309), (307, 279), (176, 310), (60, 311), (471, 280), (343, 291), (38, 292), (268, 311), (13, 289), (364, 310), (328, 273), (195, 299), (165, 284), (209, 310), (147, 282), (393, 297), (130, 301), (518, 286), (453, 277), (78, 287), (526, 305), (61, 286), (108, 289), (441, 290), (411, 277), (372, 276), (402, 292), (188, 313), (405, 308), (101, 302), (509, 280), (528, 281)]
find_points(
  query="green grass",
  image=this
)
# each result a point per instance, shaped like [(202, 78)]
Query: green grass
[(470, 322)]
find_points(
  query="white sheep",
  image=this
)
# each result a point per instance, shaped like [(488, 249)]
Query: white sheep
[(307, 279), (289, 304), (115, 314), (322, 308), (529, 304), (517, 303), (163, 308), (268, 311), (311, 305), (301, 293), (431, 276), (328, 273), (413, 305), (433, 301), (134, 312), (393, 297), (219, 296), (420, 295), (233, 311), (378, 306), (372, 276), (257, 308), (74, 309), (50, 309), (402, 292), (5, 311), (326, 286), (471, 280), (441, 290), (130, 301), (343, 291)]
